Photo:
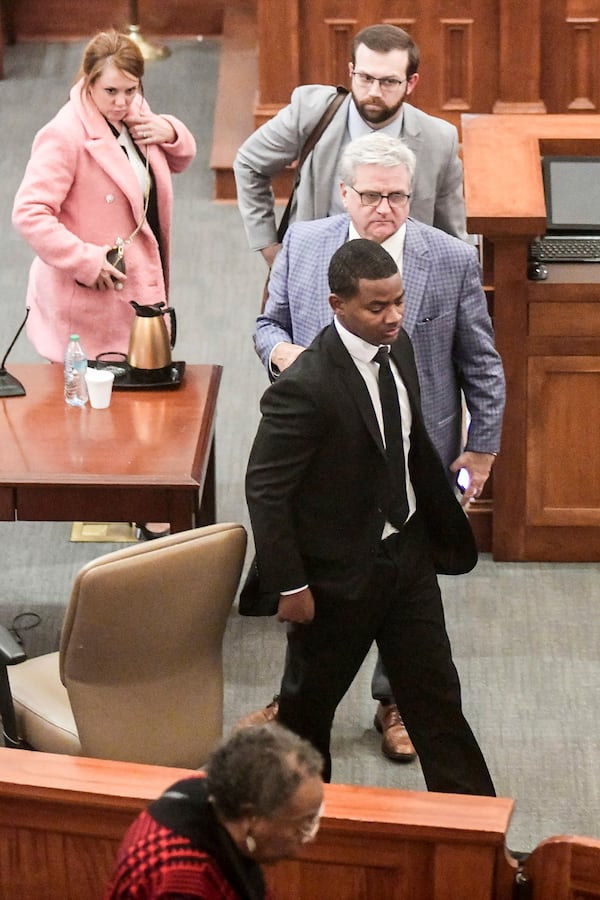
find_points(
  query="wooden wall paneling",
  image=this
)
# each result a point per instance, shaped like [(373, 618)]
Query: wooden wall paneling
[(563, 393), (326, 31), (326, 43), (457, 90), (338, 50), (582, 71), (55, 19), (279, 42), (520, 57), (422, 21), (523, 58), (477, 57), (554, 57), (458, 41), (407, 23)]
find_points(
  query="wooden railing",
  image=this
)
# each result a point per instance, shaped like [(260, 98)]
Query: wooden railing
[(376, 843), (62, 819)]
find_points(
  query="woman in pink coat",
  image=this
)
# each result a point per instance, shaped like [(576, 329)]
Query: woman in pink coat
[(98, 171)]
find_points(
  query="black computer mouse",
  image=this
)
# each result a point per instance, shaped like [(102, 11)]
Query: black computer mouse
[(536, 271)]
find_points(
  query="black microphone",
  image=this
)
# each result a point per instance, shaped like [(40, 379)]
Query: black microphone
[(9, 385)]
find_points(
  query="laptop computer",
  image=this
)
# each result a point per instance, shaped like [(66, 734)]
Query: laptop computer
[(572, 192)]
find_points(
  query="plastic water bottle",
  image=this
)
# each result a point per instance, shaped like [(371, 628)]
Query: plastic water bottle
[(75, 365)]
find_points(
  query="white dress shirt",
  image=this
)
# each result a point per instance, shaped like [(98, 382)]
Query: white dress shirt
[(362, 354)]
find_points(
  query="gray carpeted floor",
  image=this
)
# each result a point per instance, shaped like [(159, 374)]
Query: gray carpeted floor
[(525, 636)]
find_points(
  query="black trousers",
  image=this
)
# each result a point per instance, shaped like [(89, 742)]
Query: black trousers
[(401, 609)]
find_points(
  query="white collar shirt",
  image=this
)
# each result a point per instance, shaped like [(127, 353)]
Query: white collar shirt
[(394, 244), (362, 354)]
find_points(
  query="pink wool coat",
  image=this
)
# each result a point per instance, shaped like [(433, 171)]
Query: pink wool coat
[(79, 193)]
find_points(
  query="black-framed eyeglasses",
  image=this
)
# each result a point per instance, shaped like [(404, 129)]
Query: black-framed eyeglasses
[(386, 84), (374, 198)]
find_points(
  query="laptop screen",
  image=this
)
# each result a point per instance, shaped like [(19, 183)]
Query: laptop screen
[(572, 192)]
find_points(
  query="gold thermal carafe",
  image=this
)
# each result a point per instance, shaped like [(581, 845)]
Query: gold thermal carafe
[(150, 344)]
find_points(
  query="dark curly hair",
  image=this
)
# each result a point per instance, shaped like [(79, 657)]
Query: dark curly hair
[(358, 259), (259, 768)]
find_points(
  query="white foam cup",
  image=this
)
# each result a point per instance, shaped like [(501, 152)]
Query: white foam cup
[(99, 384)]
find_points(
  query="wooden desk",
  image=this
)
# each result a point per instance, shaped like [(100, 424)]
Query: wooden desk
[(546, 489), (149, 457)]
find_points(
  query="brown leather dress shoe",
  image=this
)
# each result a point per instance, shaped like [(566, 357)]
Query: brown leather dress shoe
[(396, 743), (260, 716)]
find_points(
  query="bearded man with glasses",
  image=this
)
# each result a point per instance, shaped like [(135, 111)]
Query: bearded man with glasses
[(446, 318), (383, 75)]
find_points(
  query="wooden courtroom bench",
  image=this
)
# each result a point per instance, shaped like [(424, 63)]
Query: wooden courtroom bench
[(563, 868), (62, 819)]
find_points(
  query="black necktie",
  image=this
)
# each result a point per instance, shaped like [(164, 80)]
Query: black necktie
[(397, 511)]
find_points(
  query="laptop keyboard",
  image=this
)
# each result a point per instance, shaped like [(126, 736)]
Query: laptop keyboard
[(551, 248)]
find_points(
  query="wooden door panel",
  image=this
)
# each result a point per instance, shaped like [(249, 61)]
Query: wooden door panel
[(563, 441), (570, 47)]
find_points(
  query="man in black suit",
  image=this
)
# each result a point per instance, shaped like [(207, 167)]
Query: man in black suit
[(348, 539)]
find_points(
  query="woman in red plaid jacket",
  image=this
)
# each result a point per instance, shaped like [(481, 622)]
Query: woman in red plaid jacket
[(258, 800)]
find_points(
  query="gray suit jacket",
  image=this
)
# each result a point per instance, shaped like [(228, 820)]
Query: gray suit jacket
[(446, 318), (437, 194)]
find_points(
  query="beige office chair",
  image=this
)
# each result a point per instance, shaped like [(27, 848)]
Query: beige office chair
[(139, 674)]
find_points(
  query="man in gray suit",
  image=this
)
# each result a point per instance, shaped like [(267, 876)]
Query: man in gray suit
[(383, 73), (446, 318)]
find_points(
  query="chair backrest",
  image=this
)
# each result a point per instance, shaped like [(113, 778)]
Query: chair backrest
[(141, 646)]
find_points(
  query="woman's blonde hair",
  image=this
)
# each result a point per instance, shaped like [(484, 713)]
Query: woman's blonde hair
[(110, 47)]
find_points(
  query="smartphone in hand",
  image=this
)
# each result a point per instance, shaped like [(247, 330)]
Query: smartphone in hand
[(463, 480)]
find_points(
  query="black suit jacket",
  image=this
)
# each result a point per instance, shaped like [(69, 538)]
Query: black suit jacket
[(317, 479)]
